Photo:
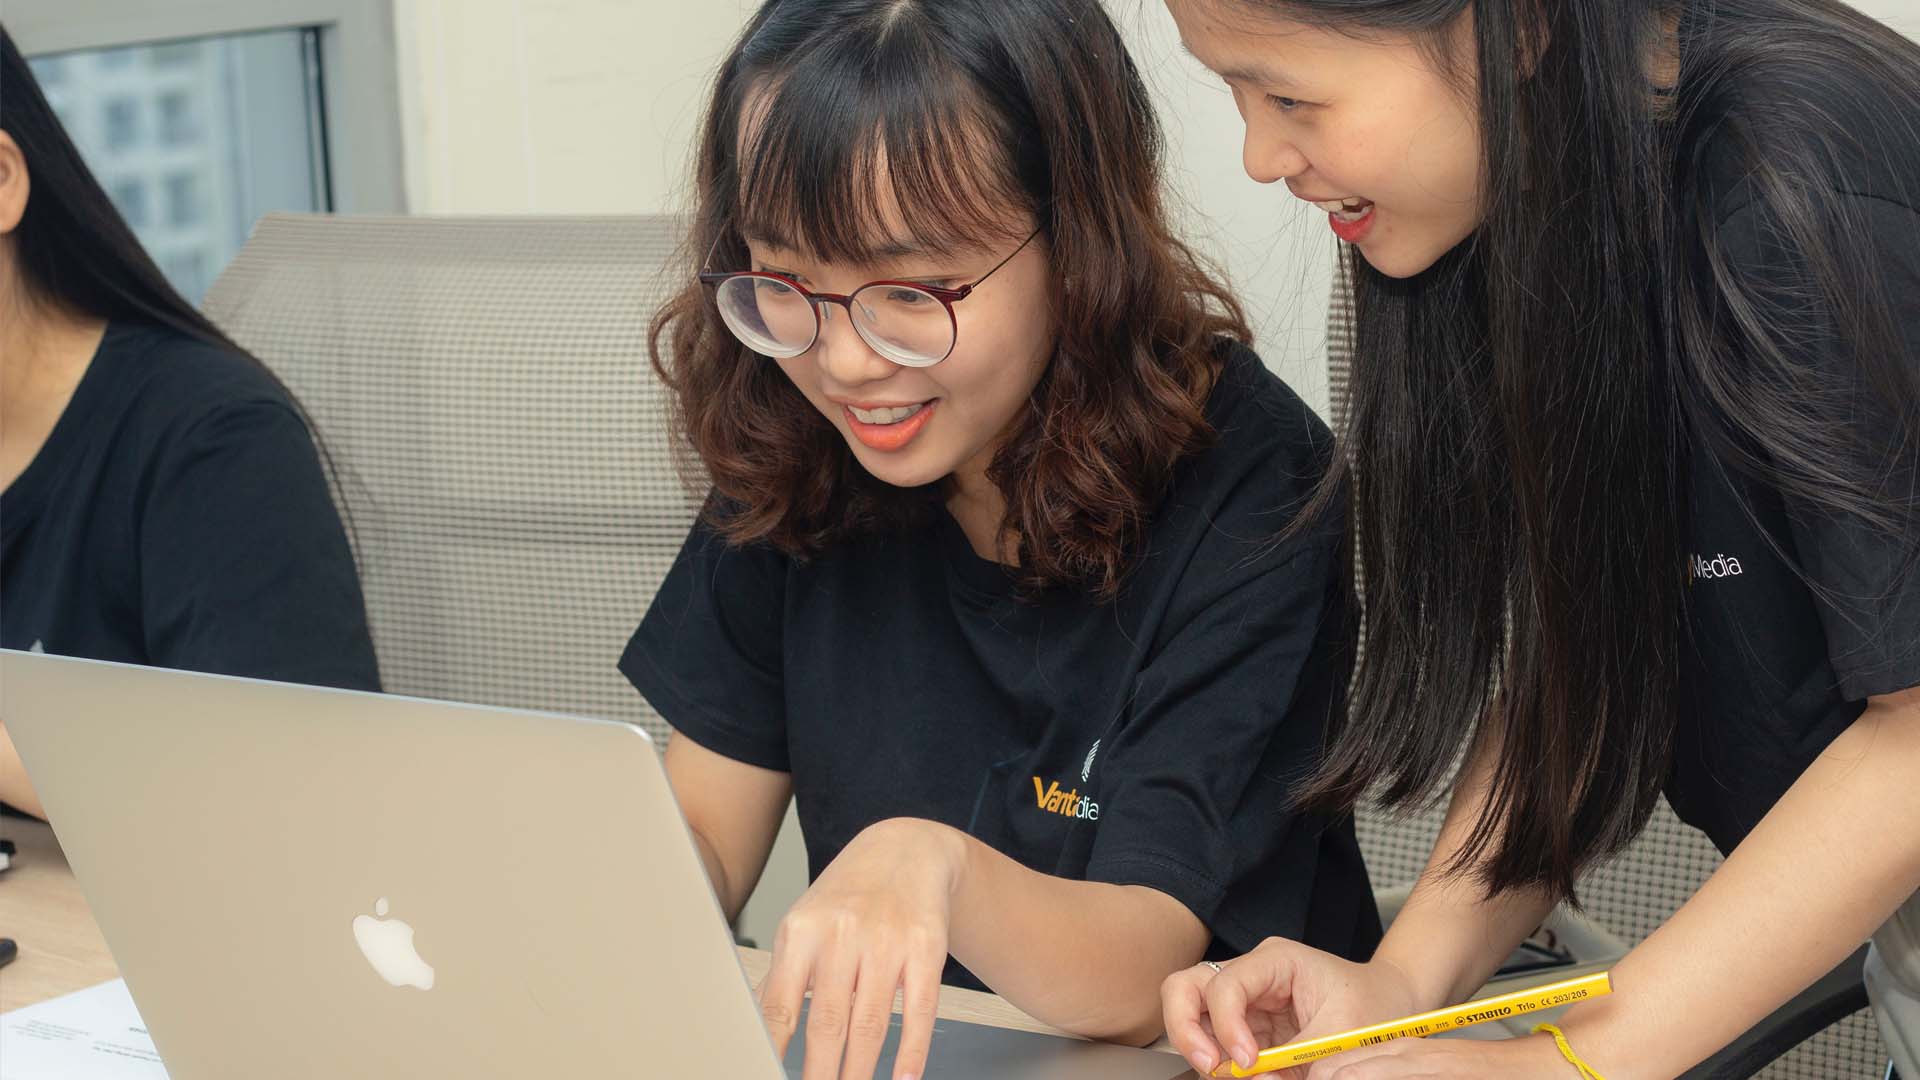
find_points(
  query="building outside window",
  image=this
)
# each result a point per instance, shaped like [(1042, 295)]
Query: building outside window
[(196, 139)]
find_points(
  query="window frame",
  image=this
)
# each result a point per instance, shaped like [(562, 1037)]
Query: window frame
[(359, 69)]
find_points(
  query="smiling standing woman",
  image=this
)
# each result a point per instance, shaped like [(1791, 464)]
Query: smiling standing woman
[(1635, 432), (989, 582)]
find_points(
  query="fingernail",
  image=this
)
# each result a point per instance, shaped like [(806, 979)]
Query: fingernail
[(1203, 1062), (1245, 1055)]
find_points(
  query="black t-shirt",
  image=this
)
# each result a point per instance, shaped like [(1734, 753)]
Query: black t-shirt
[(1775, 669), (1153, 740), (177, 516)]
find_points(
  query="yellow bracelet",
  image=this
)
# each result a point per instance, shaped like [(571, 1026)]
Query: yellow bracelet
[(1587, 1072)]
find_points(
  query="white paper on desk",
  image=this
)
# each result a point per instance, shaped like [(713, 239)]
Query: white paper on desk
[(95, 1034)]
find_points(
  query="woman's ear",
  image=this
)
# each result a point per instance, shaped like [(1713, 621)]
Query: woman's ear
[(13, 184)]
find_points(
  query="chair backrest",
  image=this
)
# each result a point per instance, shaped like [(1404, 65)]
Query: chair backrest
[(483, 388), (1631, 894)]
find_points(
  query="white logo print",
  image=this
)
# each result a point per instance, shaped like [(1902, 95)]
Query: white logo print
[(37, 647), (388, 945), (1086, 770), (1701, 568)]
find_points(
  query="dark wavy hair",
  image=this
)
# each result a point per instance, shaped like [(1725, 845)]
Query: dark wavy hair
[(1520, 413), (953, 115)]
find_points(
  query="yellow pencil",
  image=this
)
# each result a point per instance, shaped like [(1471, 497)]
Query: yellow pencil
[(1427, 1023)]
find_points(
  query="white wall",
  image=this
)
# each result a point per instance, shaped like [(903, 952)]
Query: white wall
[(1277, 252), (555, 106), (590, 106)]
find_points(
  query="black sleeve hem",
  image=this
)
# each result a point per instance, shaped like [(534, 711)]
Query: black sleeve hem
[(1198, 892), (1865, 681), (686, 717)]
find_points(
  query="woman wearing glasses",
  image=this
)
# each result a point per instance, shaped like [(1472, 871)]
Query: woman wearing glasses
[(988, 582)]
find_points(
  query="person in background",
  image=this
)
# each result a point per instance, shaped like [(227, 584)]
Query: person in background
[(989, 582), (161, 499)]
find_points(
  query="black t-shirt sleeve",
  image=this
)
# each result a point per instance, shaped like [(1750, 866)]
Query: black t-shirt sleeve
[(1227, 717), (1869, 598), (244, 564), (707, 656)]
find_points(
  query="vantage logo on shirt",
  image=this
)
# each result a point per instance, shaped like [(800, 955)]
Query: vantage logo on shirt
[(1050, 799)]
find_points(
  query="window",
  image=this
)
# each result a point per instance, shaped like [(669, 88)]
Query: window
[(183, 201), (130, 198), (176, 54), (200, 138), (286, 105), (177, 125), (122, 123)]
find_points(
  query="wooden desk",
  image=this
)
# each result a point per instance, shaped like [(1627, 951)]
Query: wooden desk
[(61, 949), (42, 910)]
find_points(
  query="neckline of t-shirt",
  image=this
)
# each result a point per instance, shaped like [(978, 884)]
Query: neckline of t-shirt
[(23, 498), (983, 576)]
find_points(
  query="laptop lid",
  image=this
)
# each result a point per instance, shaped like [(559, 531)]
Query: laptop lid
[(303, 882)]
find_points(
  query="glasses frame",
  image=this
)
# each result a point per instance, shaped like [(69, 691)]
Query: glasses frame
[(715, 279)]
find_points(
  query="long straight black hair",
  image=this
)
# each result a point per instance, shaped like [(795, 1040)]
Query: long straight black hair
[(1520, 413), (72, 248)]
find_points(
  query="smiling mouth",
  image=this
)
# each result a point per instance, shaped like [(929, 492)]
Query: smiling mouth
[(885, 415), (889, 428), (1348, 210)]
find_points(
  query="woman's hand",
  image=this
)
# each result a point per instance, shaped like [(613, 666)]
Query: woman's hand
[(874, 922), (1277, 993), (1533, 1057)]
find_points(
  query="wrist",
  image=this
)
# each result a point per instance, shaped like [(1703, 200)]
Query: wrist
[(1553, 1054), (1433, 991), (943, 846)]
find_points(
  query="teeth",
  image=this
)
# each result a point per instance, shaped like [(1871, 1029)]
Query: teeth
[(1352, 209), (884, 416)]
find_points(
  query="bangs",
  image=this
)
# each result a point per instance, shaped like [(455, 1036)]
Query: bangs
[(865, 153)]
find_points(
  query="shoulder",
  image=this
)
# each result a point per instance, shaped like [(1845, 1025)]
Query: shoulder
[(714, 543), (177, 386), (1797, 189), (1756, 122), (1263, 429), (1232, 504)]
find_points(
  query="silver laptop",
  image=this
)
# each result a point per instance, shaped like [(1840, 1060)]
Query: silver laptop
[(302, 882)]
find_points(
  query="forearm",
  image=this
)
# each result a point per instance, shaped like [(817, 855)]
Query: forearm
[(734, 829), (15, 789), (1086, 957), (723, 889), (1450, 937), (1816, 877)]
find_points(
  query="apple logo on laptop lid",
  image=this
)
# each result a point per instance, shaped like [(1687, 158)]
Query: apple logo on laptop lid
[(388, 946)]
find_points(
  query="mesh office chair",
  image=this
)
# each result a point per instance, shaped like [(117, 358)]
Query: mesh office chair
[(484, 388), (1827, 1033)]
